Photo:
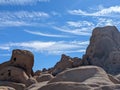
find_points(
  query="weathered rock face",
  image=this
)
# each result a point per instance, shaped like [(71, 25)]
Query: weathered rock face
[(6, 88), (38, 73), (66, 86), (23, 59), (19, 68), (84, 74), (82, 78), (66, 62), (14, 74), (16, 86), (44, 77), (104, 49)]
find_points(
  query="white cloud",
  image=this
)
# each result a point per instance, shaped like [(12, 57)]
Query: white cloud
[(52, 47), (107, 22), (23, 15), (45, 34), (113, 10), (104, 22), (21, 2), (4, 47), (80, 23), (13, 23), (73, 31), (22, 18)]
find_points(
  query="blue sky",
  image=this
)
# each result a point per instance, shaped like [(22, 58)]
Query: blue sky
[(50, 28)]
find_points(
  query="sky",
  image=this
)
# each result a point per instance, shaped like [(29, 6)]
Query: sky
[(49, 28)]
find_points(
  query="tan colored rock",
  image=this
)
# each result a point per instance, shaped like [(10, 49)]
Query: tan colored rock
[(104, 43), (65, 86), (5, 64), (84, 74), (23, 59), (16, 86), (6, 88), (30, 81), (38, 73), (114, 79), (44, 77), (77, 62), (13, 74), (109, 87), (65, 62), (37, 86), (118, 77), (113, 62)]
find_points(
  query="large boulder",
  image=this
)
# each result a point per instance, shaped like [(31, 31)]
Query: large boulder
[(109, 87), (6, 88), (104, 49), (44, 77), (19, 68), (23, 59), (13, 74), (84, 74), (16, 86), (4, 64), (65, 63), (37, 86), (65, 86)]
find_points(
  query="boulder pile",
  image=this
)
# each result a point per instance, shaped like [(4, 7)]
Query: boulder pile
[(99, 68)]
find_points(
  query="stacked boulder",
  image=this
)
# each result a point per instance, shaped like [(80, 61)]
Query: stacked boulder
[(18, 69), (67, 62), (79, 78), (95, 71), (104, 49)]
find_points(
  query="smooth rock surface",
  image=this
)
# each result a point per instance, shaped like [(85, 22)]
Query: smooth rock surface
[(84, 74)]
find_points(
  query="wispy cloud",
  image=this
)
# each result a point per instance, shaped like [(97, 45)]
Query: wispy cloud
[(79, 24), (107, 21), (51, 47), (13, 23), (22, 18), (4, 47), (113, 10), (21, 2), (73, 31), (45, 34), (23, 15)]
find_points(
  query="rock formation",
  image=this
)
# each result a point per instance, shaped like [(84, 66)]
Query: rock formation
[(99, 69), (19, 68), (80, 78), (23, 59), (44, 77), (84, 74), (104, 49), (67, 62)]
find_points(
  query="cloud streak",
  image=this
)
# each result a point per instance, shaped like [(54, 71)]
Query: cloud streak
[(45, 34), (113, 10), (73, 31), (21, 2), (4, 47), (23, 15), (22, 18), (51, 47)]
